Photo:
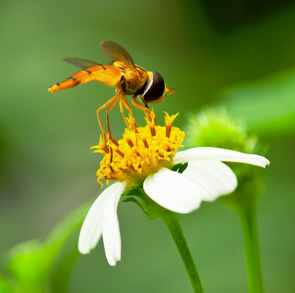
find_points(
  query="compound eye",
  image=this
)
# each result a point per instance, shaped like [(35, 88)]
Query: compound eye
[(156, 88)]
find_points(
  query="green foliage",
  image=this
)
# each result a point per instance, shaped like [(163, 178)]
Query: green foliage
[(37, 267), (62, 271), (29, 266), (180, 168), (267, 106), (5, 285)]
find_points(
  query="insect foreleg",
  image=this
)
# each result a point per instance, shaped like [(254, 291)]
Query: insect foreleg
[(139, 106)]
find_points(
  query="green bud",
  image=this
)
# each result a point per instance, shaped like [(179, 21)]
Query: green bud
[(214, 127)]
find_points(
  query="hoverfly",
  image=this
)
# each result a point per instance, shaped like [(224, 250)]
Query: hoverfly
[(127, 77)]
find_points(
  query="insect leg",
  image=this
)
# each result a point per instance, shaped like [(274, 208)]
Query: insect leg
[(113, 102), (139, 106), (130, 111), (99, 121), (122, 111)]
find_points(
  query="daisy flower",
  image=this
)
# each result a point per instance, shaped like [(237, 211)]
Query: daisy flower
[(177, 181)]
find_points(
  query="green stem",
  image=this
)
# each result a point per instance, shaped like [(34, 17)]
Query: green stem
[(254, 274), (173, 224)]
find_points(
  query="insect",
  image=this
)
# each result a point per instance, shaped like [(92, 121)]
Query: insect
[(127, 77)]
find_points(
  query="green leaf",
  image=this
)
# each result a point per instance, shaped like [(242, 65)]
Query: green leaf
[(267, 106), (5, 286), (61, 272), (28, 266), (176, 167), (182, 168), (31, 263)]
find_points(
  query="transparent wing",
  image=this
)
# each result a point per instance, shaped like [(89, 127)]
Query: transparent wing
[(81, 62), (117, 53)]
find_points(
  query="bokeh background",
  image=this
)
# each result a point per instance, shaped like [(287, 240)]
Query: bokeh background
[(240, 53)]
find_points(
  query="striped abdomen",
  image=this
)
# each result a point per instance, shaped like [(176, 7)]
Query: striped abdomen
[(106, 74)]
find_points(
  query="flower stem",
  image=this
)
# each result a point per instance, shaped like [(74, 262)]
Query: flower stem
[(249, 225), (173, 224)]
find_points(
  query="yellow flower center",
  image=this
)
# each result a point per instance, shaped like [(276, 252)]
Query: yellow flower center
[(141, 152)]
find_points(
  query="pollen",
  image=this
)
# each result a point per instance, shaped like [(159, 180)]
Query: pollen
[(141, 152)]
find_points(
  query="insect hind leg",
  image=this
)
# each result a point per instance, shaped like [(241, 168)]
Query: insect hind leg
[(112, 101), (122, 104)]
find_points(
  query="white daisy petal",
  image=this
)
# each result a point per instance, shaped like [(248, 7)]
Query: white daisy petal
[(174, 191), (97, 232), (110, 227), (210, 153), (214, 176), (91, 229)]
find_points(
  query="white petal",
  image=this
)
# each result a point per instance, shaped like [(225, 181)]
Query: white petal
[(206, 153), (174, 191), (214, 176), (91, 229), (110, 227)]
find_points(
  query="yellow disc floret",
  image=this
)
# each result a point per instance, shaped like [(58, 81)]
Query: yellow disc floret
[(141, 152)]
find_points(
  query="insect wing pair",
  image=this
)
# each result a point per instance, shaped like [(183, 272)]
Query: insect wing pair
[(129, 78)]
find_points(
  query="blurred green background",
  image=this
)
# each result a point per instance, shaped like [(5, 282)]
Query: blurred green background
[(241, 53)]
